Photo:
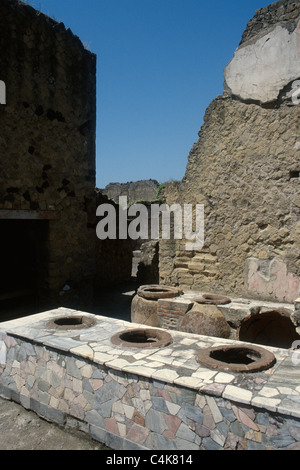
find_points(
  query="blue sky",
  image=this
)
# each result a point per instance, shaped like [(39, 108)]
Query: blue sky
[(160, 64)]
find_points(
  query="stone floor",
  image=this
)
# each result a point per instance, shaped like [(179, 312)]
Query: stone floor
[(24, 430)]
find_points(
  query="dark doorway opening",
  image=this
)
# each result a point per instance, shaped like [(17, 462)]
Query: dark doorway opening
[(23, 261)]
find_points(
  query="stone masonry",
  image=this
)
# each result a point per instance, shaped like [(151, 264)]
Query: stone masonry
[(47, 138), (139, 399), (143, 190), (245, 169)]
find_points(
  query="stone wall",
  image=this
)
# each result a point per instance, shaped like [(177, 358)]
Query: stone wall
[(126, 260), (245, 169), (113, 257), (47, 164), (285, 12), (143, 190), (128, 412)]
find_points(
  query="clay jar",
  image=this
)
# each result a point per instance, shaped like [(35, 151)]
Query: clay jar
[(144, 304), (205, 320), (269, 328)]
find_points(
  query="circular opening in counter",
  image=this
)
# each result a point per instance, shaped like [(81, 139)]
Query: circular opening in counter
[(71, 323), (142, 338), (213, 299), (155, 289), (155, 292), (237, 358)]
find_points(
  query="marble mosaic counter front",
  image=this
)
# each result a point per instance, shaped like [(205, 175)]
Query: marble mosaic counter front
[(276, 390)]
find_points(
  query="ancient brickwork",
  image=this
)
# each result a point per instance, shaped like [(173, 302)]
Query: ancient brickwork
[(143, 190), (113, 256), (170, 314), (47, 164), (284, 12), (245, 169)]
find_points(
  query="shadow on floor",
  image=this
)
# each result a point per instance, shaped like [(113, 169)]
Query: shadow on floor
[(111, 301), (115, 302)]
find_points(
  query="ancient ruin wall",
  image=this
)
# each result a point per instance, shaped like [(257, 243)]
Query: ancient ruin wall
[(245, 169), (113, 257), (47, 138), (143, 190)]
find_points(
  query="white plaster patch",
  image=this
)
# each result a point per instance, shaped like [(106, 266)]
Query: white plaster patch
[(261, 69)]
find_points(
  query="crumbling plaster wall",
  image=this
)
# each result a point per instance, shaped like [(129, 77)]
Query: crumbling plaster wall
[(47, 136), (245, 169)]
